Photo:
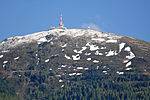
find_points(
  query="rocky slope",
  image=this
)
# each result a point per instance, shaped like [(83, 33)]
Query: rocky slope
[(64, 54)]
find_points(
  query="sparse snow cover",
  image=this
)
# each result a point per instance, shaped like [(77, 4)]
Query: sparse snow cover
[(128, 68), (47, 60), (87, 54), (72, 74), (4, 65), (58, 75), (16, 58), (67, 57), (120, 73), (76, 57), (75, 51), (103, 48), (98, 53), (80, 51), (125, 61), (1, 56), (111, 41), (131, 54), (92, 47), (98, 39), (36, 55), (88, 59), (50, 69), (86, 68), (59, 68), (5, 62), (40, 36), (121, 46), (79, 67), (79, 74), (63, 66), (111, 53), (128, 64), (63, 50), (104, 71), (97, 67), (38, 61), (60, 80), (43, 39), (127, 49), (62, 86), (95, 61), (5, 51), (64, 45)]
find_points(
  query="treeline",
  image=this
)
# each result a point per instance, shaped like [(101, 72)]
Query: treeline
[(94, 85)]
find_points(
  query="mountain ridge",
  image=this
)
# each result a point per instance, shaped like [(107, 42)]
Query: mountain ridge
[(55, 59)]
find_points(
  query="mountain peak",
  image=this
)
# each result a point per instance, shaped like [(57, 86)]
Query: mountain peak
[(41, 37)]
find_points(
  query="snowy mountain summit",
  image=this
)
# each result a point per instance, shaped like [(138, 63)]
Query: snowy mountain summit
[(44, 64), (42, 37), (66, 55), (79, 42)]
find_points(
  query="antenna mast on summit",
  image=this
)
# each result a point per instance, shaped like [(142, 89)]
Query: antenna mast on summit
[(61, 24)]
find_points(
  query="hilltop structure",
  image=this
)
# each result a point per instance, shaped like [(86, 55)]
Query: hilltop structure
[(61, 25)]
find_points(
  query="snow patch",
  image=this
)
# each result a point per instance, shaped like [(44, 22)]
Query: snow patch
[(1, 56), (111, 41), (72, 74), (127, 49), (43, 39), (59, 68), (87, 54), (5, 62), (79, 67), (80, 51), (36, 55), (131, 54), (63, 66), (120, 73), (121, 46), (67, 57), (16, 58), (128, 68), (98, 53), (104, 71), (76, 57), (125, 61), (88, 59), (79, 74), (95, 61), (92, 47), (5, 51), (60, 80), (97, 67), (63, 45), (98, 39), (128, 64), (47, 60), (111, 53), (62, 86), (86, 68), (103, 48)]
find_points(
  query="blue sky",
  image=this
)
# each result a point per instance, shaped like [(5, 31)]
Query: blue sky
[(123, 17)]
